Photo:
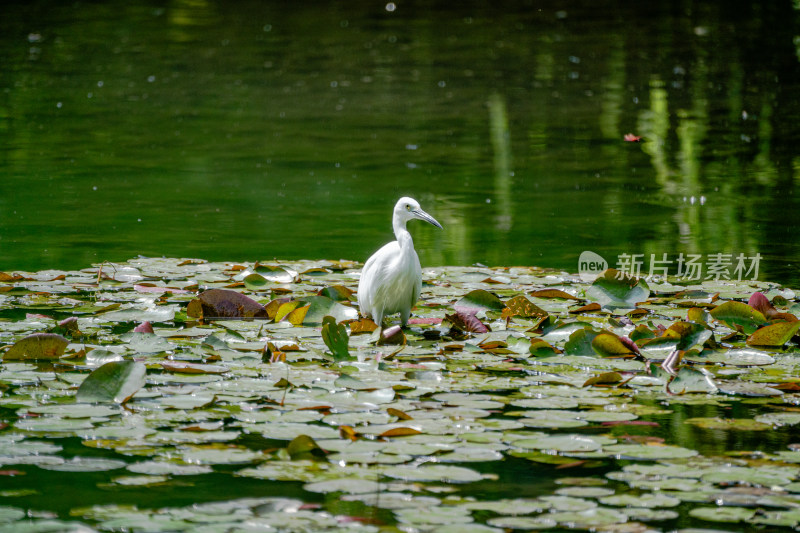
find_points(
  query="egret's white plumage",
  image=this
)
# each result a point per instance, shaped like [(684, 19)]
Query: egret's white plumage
[(392, 278)]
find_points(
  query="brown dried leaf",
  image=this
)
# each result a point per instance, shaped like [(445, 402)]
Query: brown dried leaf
[(221, 303)]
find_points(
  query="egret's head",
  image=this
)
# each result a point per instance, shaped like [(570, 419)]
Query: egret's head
[(407, 209)]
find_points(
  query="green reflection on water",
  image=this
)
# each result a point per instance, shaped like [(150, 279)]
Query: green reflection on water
[(190, 128)]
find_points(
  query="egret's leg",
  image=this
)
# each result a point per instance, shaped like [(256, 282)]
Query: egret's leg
[(404, 316)]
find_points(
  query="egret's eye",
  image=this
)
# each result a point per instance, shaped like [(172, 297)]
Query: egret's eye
[(408, 207)]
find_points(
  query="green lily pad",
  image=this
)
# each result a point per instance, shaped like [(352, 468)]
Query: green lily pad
[(581, 342), (561, 443), (86, 464), (480, 299), (641, 451), (37, 346), (689, 334), (589, 518), (736, 357), (751, 476), (738, 315), (723, 514), (440, 473), (10, 514), (614, 289), (645, 514), (255, 282), (321, 306), (524, 523), (647, 500), (335, 337), (609, 345), (114, 382), (728, 424), (304, 447), (689, 380), (774, 335), (779, 419), (349, 486)]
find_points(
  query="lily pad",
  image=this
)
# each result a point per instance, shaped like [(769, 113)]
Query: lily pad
[(775, 335), (614, 289), (224, 303), (114, 382), (37, 346), (440, 473), (481, 300), (723, 514), (738, 315), (335, 337)]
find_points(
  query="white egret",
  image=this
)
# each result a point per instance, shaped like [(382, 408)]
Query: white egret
[(392, 278)]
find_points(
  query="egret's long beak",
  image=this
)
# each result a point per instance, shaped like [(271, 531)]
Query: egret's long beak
[(422, 215)]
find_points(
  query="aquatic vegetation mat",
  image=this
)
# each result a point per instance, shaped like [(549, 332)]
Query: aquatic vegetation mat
[(182, 395)]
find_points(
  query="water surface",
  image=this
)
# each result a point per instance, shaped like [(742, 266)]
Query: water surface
[(271, 130)]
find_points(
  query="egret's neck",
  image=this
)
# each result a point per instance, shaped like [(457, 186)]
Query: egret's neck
[(402, 235)]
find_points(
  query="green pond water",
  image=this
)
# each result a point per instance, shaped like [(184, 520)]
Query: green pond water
[(261, 130), (285, 130)]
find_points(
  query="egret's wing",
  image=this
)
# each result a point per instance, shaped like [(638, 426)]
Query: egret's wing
[(370, 289)]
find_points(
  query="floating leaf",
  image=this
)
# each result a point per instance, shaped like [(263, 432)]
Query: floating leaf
[(723, 514), (648, 452), (561, 443), (364, 325), (429, 472), (113, 382), (739, 316), (277, 274), (522, 307), (224, 303), (617, 289), (345, 485), (281, 308), (337, 293), (481, 300), (399, 414), (400, 432), (335, 337), (609, 345), (698, 315), (607, 378), (321, 306), (297, 316), (690, 380), (738, 357), (255, 282), (776, 334), (37, 346), (580, 342), (183, 367), (304, 447), (689, 334), (541, 348), (588, 308), (728, 424), (464, 319), (553, 293)]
